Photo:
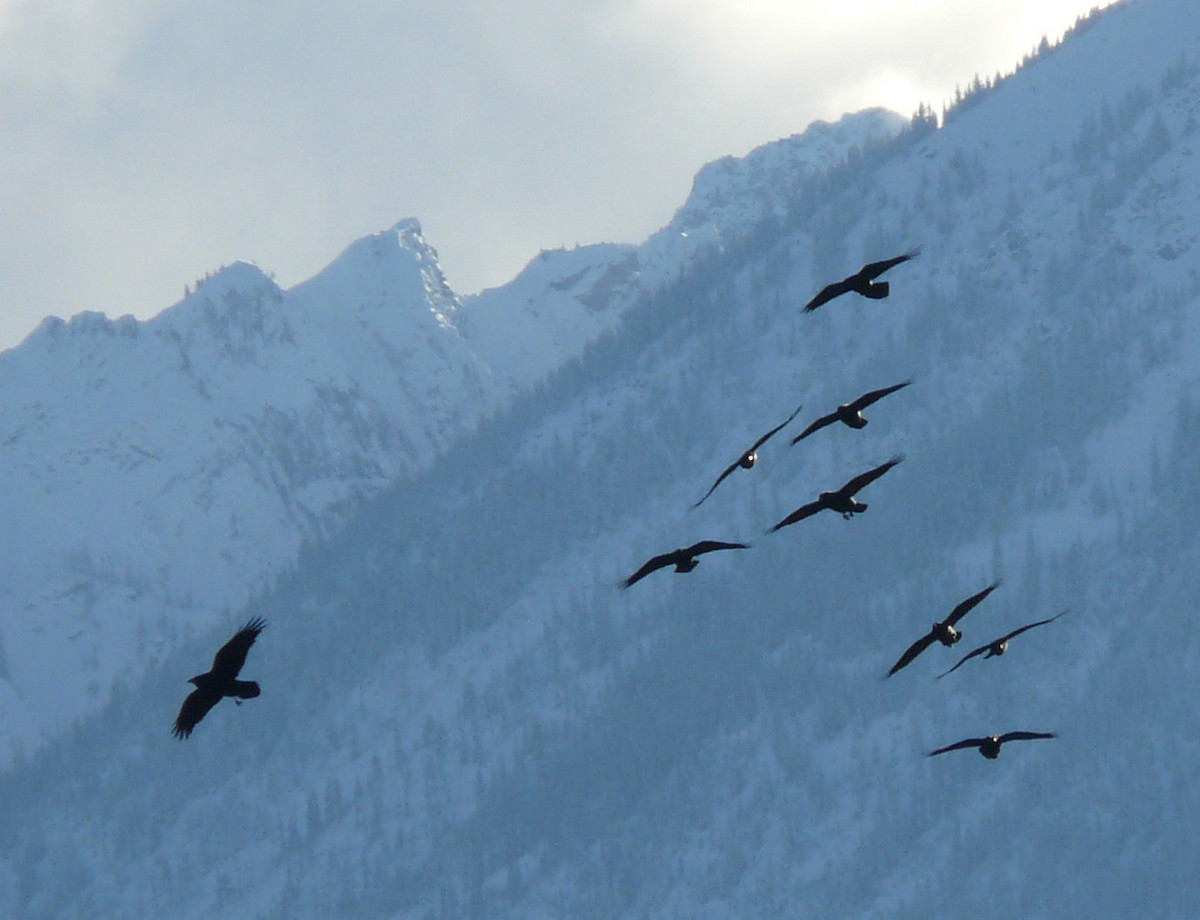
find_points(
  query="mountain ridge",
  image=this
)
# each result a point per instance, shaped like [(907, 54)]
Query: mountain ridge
[(487, 726), (246, 419)]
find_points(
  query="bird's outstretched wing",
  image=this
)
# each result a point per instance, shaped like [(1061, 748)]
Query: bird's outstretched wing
[(720, 479), (711, 546), (827, 293), (1004, 638), (774, 431), (1025, 736), (861, 481), (1029, 626), (194, 708), (651, 565), (816, 426), (911, 652), (736, 463), (969, 604), (798, 515), (232, 655), (967, 657), (873, 270), (875, 395), (959, 745)]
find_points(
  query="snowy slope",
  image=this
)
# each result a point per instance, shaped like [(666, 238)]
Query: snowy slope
[(464, 717), (732, 194), (565, 298), (163, 471), (158, 472)]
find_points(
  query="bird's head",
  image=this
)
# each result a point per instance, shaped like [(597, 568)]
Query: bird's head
[(749, 458), (946, 634), (195, 681)]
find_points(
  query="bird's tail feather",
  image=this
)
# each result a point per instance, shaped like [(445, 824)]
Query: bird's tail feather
[(877, 290), (245, 689)]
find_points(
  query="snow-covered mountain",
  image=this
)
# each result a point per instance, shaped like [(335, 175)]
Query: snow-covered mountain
[(162, 471), (463, 716), (159, 472), (167, 470), (566, 298)]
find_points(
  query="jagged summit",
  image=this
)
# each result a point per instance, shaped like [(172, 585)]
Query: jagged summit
[(85, 324), (221, 433), (239, 275), (225, 289), (394, 265)]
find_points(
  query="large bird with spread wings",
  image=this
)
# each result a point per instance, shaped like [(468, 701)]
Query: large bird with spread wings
[(749, 458), (998, 647), (989, 746), (850, 413), (861, 282), (945, 631), (221, 681), (683, 559), (841, 500)]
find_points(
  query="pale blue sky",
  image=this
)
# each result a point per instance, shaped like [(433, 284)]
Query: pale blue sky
[(146, 142)]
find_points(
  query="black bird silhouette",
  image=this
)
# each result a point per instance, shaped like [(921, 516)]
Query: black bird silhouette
[(989, 747), (861, 282), (221, 680), (943, 632), (842, 500), (684, 559), (749, 458), (998, 646), (850, 413)]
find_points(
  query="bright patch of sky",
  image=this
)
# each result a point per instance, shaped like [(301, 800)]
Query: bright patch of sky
[(150, 141)]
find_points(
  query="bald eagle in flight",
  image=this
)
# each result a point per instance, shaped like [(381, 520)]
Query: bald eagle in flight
[(749, 458), (989, 746), (998, 647), (943, 632)]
